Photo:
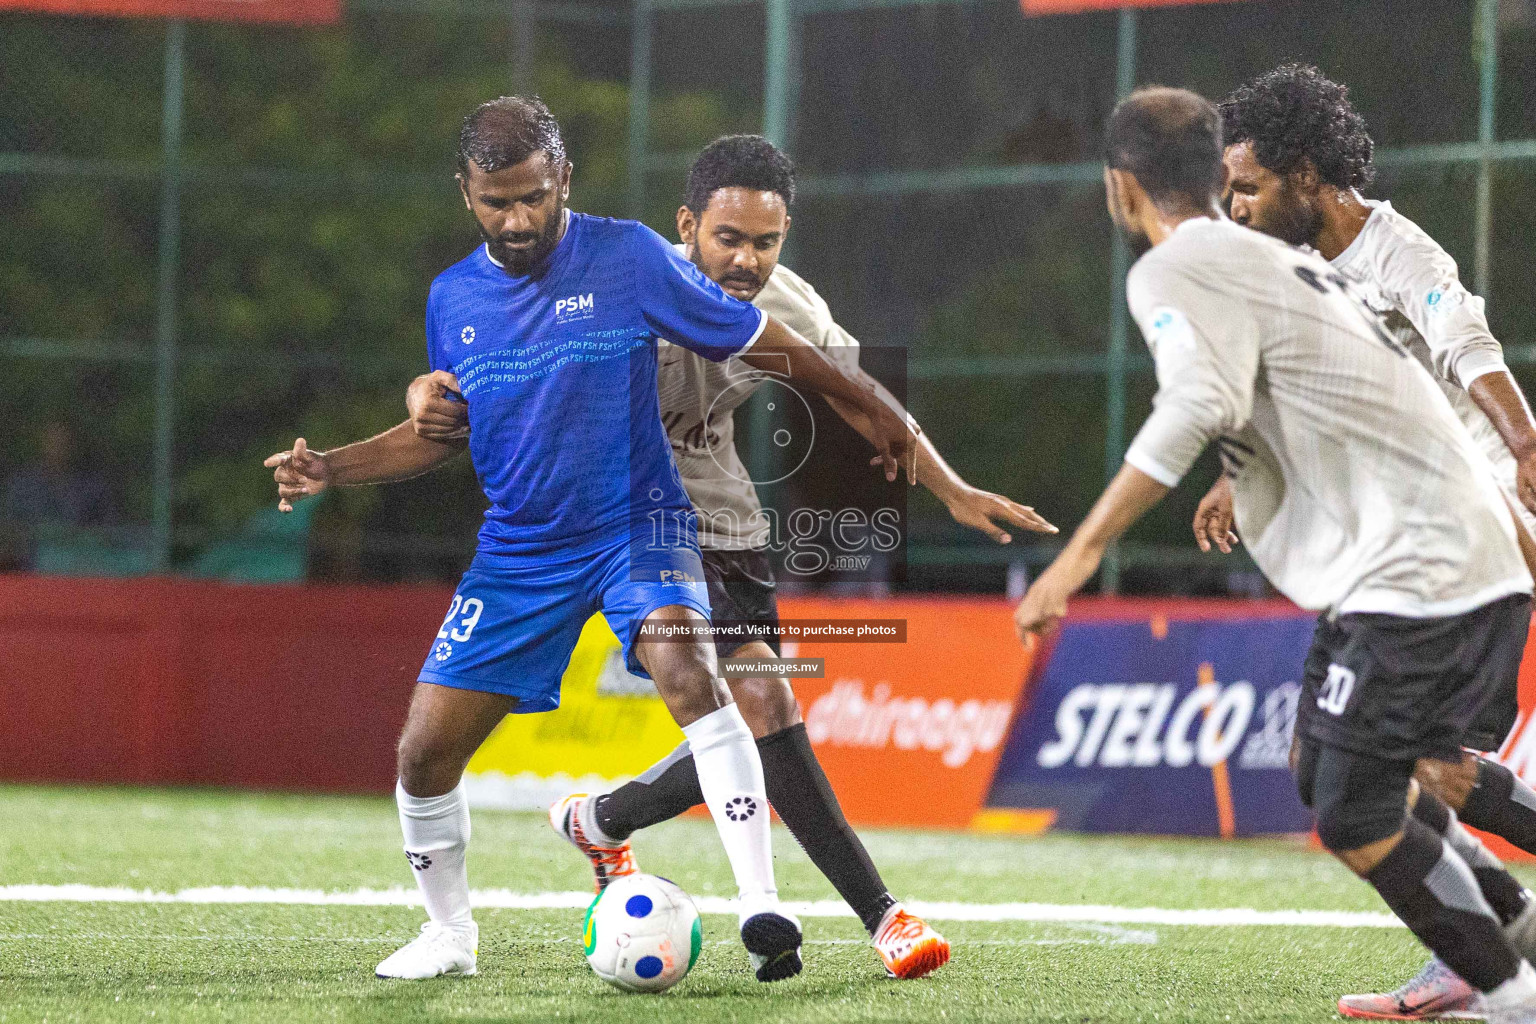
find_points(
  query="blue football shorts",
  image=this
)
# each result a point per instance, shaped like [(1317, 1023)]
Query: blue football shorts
[(512, 626)]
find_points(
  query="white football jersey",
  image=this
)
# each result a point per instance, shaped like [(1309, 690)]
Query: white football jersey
[(1356, 488), (699, 399), (1407, 278)]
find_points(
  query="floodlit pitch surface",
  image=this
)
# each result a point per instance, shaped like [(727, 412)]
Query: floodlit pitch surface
[(156, 925)]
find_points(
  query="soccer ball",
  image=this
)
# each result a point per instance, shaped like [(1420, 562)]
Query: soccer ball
[(642, 934)]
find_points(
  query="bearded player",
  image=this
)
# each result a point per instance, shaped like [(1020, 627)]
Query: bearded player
[(549, 331), (733, 222), (1298, 156), (1360, 495)]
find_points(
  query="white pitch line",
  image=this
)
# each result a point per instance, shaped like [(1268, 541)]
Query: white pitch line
[(503, 899), (1122, 937)]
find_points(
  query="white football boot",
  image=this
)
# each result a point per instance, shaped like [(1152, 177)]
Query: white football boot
[(437, 951)]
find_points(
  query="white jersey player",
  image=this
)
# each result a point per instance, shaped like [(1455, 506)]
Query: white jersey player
[(698, 404), (732, 225), (1360, 495), (1297, 154)]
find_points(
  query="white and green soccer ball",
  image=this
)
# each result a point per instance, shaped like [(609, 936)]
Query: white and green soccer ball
[(642, 934)]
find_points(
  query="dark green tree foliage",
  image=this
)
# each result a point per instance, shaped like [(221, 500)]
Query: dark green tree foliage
[(319, 203)]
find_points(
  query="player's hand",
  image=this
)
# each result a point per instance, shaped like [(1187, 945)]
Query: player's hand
[(299, 473), (1044, 605), (1525, 480), (895, 438), (434, 415), (983, 511), (1213, 519)]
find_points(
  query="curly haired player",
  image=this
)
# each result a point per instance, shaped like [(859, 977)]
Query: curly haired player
[(1298, 155), (1361, 496)]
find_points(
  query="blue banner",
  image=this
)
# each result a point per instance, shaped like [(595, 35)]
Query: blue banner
[(1167, 727)]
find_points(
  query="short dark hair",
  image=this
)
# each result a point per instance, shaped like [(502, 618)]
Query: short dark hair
[(1170, 139), (504, 132), (739, 161), (1295, 113)]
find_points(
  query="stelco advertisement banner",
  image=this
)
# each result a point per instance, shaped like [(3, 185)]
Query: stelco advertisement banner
[(1165, 723)]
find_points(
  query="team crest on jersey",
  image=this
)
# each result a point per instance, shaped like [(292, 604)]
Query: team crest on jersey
[(467, 335)]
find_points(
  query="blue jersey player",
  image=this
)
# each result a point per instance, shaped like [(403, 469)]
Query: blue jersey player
[(550, 330)]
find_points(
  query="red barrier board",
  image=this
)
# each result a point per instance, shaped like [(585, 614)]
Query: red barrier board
[(174, 682), (290, 12)]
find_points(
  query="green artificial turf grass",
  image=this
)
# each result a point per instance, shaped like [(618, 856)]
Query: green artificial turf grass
[(270, 964)]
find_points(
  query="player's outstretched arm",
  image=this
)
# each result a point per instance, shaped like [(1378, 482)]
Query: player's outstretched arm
[(781, 351), (1500, 398), (1213, 519), (1129, 495), (970, 506), (397, 454)]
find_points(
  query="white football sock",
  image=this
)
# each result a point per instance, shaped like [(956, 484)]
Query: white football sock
[(436, 832), (731, 776)]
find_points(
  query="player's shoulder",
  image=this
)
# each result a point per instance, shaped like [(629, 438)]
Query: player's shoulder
[(1201, 245), (1398, 246), (476, 266), (787, 288), (1189, 253), (1389, 223), (606, 231)]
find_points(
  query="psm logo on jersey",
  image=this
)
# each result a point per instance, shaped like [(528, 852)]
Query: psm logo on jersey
[(467, 335), (574, 307)]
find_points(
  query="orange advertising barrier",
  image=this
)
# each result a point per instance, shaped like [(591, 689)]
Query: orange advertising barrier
[(1519, 751), (910, 734), (292, 12)]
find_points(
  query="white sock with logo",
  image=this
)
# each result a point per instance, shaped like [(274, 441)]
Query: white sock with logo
[(436, 830), (731, 776)]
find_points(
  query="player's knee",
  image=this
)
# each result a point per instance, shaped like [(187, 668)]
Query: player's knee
[(688, 683), (1342, 827), (767, 703), (1359, 801), (427, 766)]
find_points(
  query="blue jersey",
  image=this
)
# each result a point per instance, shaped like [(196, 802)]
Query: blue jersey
[(559, 370)]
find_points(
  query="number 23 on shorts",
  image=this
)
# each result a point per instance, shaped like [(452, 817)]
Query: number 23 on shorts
[(467, 610)]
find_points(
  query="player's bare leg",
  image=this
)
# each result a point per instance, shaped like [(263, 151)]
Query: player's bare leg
[(731, 778), (797, 789), (443, 729)]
